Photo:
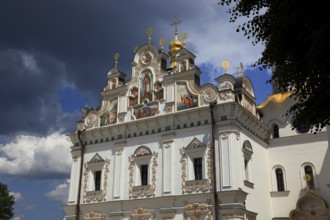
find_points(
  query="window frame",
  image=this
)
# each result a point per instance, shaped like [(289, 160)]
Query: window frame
[(313, 177)]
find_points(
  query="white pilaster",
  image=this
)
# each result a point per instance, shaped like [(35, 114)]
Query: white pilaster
[(118, 173)]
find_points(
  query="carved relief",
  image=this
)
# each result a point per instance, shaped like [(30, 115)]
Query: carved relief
[(227, 95), (142, 213), (119, 151), (167, 144), (209, 94), (145, 58), (225, 134), (94, 216), (197, 210), (91, 120), (141, 151)]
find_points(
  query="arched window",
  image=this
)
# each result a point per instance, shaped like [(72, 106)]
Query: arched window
[(309, 171), (142, 169), (279, 186), (308, 168), (247, 154), (279, 179), (276, 133)]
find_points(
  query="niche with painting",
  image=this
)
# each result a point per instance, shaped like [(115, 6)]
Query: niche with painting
[(185, 99), (133, 98), (158, 91)]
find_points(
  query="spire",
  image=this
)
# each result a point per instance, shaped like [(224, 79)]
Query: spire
[(176, 21), (149, 32), (175, 44)]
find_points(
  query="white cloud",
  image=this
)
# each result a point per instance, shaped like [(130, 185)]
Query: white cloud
[(36, 157), (17, 196), (30, 63), (61, 192), (17, 218)]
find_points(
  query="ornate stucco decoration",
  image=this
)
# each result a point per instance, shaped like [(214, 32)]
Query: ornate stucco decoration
[(197, 210), (94, 216), (142, 151), (227, 95), (209, 94), (91, 120), (206, 93), (225, 134), (142, 213), (310, 206), (168, 143), (119, 150), (99, 195), (189, 186), (147, 190)]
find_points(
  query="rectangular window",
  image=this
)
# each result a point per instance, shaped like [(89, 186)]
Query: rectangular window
[(97, 180), (144, 175), (198, 168)]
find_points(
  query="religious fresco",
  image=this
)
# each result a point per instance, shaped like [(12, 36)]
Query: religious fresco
[(146, 86), (184, 98), (146, 110), (110, 117), (158, 91), (133, 98)]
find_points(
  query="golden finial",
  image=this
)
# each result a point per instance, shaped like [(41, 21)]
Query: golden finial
[(225, 65), (162, 42), (184, 37), (149, 32), (307, 178), (116, 57), (135, 49)]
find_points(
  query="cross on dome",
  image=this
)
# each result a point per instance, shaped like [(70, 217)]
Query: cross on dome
[(176, 21)]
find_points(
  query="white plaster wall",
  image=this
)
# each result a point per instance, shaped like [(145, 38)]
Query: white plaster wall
[(291, 153), (258, 198)]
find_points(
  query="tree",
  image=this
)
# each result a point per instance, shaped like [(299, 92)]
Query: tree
[(6, 203), (296, 37)]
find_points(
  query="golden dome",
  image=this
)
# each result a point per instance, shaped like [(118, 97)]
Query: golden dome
[(175, 46)]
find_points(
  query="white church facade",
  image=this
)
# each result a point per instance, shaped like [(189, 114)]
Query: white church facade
[(163, 146)]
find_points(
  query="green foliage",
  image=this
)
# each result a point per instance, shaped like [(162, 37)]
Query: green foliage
[(296, 37), (6, 203)]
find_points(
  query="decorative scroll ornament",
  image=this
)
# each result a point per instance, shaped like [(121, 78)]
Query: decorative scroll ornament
[(210, 95), (197, 210), (91, 120)]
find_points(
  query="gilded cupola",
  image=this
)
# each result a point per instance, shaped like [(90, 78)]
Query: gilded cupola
[(175, 44)]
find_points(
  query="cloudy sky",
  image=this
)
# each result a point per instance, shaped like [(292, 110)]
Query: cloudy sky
[(54, 54)]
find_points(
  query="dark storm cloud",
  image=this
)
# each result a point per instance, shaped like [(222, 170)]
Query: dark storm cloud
[(28, 85), (73, 43)]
